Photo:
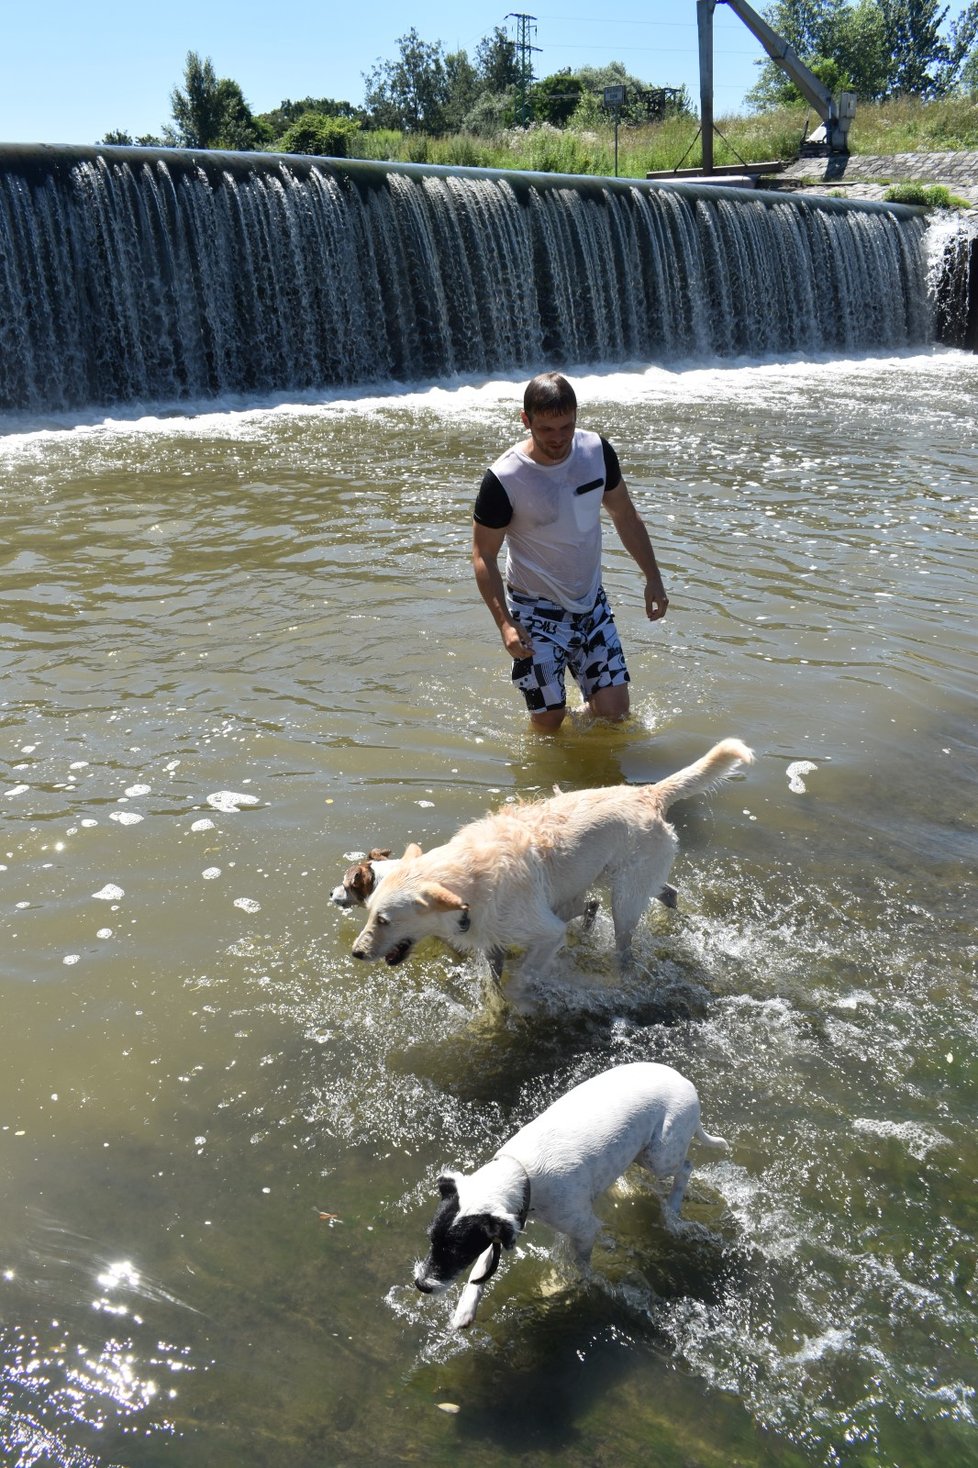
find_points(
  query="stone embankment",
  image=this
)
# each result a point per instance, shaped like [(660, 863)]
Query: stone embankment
[(868, 176)]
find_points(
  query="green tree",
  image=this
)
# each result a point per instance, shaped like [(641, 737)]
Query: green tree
[(210, 113), (642, 99), (463, 88), (554, 99), (810, 28), (412, 92), (920, 55), (876, 48), (969, 75), (288, 112), (322, 136), (492, 113), (497, 62), (120, 139)]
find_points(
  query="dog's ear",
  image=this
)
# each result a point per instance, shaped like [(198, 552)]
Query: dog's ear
[(435, 895), (501, 1228), (504, 1227), (447, 1187), (377, 855), (411, 850), (360, 879)]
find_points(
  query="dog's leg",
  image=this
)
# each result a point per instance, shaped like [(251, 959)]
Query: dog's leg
[(468, 1300), (629, 899), (541, 954), (582, 1235), (674, 1202)]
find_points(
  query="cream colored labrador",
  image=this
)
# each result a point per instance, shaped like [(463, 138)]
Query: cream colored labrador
[(516, 878)]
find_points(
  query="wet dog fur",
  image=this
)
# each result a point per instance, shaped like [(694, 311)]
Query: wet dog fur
[(517, 877)]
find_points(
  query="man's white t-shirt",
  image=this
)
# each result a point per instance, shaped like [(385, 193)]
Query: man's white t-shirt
[(552, 517)]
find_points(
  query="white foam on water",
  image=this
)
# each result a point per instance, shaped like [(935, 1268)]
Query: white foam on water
[(249, 419), (916, 1137), (229, 802)]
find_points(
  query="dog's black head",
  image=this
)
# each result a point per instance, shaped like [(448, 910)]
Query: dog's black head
[(457, 1239)]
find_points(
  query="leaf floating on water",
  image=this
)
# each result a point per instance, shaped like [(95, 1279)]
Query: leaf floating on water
[(230, 801), (329, 1218), (452, 1408), (795, 771)]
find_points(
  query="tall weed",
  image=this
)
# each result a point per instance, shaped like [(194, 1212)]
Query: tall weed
[(902, 126)]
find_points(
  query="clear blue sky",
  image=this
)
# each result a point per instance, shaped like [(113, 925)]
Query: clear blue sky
[(71, 72)]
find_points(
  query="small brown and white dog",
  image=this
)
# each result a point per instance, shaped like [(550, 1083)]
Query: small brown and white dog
[(517, 877), (360, 879)]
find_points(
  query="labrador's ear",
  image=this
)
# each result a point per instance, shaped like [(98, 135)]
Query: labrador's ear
[(377, 855), (433, 894), (447, 1186), (411, 850)]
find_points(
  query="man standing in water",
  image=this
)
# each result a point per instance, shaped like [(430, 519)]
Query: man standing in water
[(543, 497)]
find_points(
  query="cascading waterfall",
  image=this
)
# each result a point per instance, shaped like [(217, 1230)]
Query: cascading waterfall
[(150, 275)]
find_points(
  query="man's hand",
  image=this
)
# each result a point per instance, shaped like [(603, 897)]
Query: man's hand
[(656, 601), (516, 642)]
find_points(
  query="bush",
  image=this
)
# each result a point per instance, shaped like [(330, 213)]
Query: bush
[(322, 136), (928, 196)]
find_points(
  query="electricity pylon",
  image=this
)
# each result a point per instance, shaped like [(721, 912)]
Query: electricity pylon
[(525, 28)]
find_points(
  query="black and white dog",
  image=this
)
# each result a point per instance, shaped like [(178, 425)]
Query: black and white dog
[(555, 1168)]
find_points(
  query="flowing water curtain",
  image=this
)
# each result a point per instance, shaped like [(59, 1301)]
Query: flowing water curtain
[(952, 280), (142, 275)]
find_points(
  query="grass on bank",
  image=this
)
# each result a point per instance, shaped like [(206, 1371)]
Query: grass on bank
[(903, 126)]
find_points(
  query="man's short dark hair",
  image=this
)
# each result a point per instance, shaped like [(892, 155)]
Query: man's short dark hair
[(549, 393)]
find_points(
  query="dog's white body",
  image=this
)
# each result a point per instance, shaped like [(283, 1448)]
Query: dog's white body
[(516, 878), (557, 1165)]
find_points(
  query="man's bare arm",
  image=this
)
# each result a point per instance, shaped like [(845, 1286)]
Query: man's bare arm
[(486, 545), (635, 538)]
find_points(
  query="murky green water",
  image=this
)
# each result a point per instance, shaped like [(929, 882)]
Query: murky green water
[(277, 603)]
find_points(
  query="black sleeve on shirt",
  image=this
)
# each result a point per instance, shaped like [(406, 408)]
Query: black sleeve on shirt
[(612, 468), (492, 505)]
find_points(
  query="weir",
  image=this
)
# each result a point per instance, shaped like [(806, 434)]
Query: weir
[(148, 275)]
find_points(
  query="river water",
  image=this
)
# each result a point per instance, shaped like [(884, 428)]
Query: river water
[(243, 645)]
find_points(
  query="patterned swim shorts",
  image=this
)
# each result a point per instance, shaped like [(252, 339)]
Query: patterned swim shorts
[(587, 643)]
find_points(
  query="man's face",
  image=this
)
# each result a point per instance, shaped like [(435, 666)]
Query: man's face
[(552, 435)]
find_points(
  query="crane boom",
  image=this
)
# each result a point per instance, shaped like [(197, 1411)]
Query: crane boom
[(836, 112)]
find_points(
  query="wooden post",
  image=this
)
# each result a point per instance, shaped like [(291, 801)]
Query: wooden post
[(704, 23)]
